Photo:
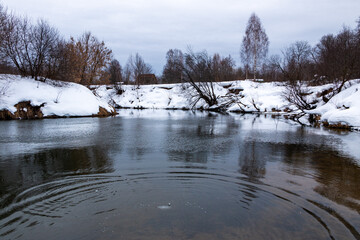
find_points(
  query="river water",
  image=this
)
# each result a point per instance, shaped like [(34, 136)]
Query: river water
[(177, 175)]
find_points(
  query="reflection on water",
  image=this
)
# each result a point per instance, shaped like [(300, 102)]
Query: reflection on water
[(176, 175)]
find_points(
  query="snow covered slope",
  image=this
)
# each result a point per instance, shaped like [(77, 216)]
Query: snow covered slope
[(257, 96), (343, 108), (160, 96), (55, 97), (254, 96)]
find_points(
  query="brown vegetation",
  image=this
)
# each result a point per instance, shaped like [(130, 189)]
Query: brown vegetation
[(24, 110), (40, 52)]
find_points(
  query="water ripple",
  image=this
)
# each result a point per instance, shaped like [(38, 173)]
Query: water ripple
[(196, 189)]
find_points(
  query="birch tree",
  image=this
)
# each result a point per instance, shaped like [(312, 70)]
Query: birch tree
[(255, 44)]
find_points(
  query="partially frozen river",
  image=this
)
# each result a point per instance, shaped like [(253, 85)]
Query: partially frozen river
[(177, 175)]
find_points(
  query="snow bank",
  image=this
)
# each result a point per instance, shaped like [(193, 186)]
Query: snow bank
[(343, 108), (58, 98), (263, 97), (247, 95), (241, 96), (162, 96), (70, 99)]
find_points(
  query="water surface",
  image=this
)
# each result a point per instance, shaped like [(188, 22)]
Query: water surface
[(177, 175)]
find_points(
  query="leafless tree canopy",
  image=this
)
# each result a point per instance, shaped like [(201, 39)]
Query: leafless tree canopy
[(28, 46), (223, 68), (136, 66), (297, 62), (198, 71), (37, 50), (115, 71), (255, 44), (338, 58), (172, 72), (3, 19), (93, 55)]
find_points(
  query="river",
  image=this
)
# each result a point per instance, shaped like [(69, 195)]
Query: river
[(152, 174)]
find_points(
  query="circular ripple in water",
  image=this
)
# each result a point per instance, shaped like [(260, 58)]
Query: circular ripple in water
[(179, 204)]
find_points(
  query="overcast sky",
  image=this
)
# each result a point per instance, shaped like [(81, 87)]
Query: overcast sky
[(151, 28)]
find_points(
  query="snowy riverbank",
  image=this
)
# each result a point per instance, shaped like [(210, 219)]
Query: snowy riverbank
[(27, 98), (62, 99), (246, 96), (343, 109)]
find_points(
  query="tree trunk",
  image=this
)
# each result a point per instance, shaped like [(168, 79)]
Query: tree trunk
[(254, 68), (255, 62)]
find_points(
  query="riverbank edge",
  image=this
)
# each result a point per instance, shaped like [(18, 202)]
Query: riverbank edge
[(26, 111)]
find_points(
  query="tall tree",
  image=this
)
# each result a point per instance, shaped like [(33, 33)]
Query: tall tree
[(337, 57), (28, 46), (255, 44), (223, 68), (3, 19), (172, 72), (297, 63), (88, 58), (44, 38), (115, 71)]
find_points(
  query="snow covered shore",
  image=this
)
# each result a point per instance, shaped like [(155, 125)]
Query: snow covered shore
[(343, 110), (51, 98), (62, 99), (254, 96)]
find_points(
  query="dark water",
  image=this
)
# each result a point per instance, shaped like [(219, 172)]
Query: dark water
[(177, 175)]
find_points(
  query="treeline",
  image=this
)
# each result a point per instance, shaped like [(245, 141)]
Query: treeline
[(335, 59), (38, 50)]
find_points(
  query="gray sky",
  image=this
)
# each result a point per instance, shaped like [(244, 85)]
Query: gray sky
[(153, 27)]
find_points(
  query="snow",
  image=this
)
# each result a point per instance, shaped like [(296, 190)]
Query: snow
[(247, 96), (263, 97), (254, 96), (343, 108), (59, 98), (70, 99), (146, 96)]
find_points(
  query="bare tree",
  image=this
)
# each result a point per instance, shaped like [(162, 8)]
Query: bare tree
[(136, 66), (297, 94), (115, 71), (198, 72), (172, 72), (338, 57), (296, 64), (5, 64), (223, 68), (3, 20), (17, 45), (255, 44), (87, 59), (272, 70), (43, 40), (94, 57), (27, 46), (127, 73), (55, 63)]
